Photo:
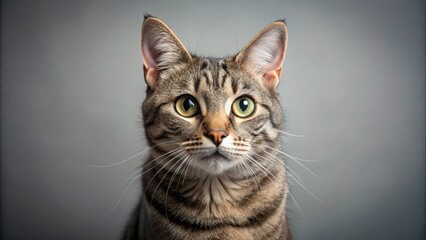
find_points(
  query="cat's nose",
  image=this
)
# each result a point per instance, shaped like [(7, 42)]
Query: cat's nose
[(216, 136)]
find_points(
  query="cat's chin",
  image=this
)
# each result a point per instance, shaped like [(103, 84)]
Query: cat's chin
[(214, 164)]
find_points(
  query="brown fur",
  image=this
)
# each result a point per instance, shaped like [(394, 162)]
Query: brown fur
[(212, 175)]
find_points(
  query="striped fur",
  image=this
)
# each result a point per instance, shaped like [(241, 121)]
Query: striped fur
[(196, 188)]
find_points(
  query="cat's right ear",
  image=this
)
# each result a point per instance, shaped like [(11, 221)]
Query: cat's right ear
[(161, 49)]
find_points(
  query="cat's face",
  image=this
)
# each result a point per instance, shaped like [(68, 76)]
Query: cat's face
[(206, 113)]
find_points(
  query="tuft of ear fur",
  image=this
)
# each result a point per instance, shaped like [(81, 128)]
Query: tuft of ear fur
[(265, 53), (161, 49)]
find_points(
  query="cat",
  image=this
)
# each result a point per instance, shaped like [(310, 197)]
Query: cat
[(213, 125)]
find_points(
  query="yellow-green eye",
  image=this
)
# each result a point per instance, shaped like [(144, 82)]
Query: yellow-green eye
[(243, 107), (186, 106)]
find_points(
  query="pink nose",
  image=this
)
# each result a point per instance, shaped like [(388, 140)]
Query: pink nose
[(216, 136)]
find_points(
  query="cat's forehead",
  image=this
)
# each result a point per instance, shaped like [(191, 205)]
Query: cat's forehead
[(211, 78), (213, 66), (201, 74)]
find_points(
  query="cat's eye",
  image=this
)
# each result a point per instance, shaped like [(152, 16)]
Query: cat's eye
[(186, 106), (243, 107)]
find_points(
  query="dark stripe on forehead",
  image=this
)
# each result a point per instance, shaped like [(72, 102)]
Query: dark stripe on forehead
[(246, 86), (204, 69), (197, 83), (204, 64), (224, 66), (206, 77), (234, 85), (224, 73), (223, 80), (216, 73)]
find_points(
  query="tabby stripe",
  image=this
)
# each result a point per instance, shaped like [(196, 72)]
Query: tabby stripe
[(207, 80), (259, 216), (234, 85), (247, 177), (246, 86), (150, 121), (172, 193), (206, 98), (262, 215), (224, 67), (264, 136), (204, 64), (161, 136), (260, 123), (247, 199), (159, 149), (274, 124), (223, 80), (186, 201), (273, 230), (197, 83), (172, 129)]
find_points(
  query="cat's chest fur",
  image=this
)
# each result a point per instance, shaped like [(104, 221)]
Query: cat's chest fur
[(210, 206), (223, 197)]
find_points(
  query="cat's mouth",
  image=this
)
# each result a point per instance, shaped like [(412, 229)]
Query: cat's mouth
[(215, 163), (216, 156)]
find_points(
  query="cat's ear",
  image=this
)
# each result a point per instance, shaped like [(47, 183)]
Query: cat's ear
[(264, 54), (161, 49)]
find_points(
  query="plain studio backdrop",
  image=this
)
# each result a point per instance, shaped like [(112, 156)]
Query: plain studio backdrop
[(353, 84)]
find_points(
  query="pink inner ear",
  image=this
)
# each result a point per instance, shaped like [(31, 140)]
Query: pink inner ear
[(151, 75), (149, 54), (270, 78), (277, 59)]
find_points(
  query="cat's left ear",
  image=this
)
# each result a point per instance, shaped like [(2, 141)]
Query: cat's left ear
[(264, 54)]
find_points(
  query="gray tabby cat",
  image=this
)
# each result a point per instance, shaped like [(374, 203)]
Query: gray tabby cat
[(212, 125)]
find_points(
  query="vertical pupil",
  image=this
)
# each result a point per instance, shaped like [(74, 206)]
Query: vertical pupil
[(187, 104), (244, 105)]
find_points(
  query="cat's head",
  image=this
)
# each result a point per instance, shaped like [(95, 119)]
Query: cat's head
[(213, 114)]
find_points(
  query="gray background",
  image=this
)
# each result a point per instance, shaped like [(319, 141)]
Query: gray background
[(353, 84)]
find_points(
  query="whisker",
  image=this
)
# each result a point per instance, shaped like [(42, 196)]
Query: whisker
[(130, 158), (186, 38), (171, 180), (152, 161), (297, 204), (123, 194), (249, 169), (300, 183), (305, 188), (279, 161), (162, 179), (128, 186), (186, 170), (258, 164), (236, 42), (295, 159), (198, 40), (290, 134), (165, 165)]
